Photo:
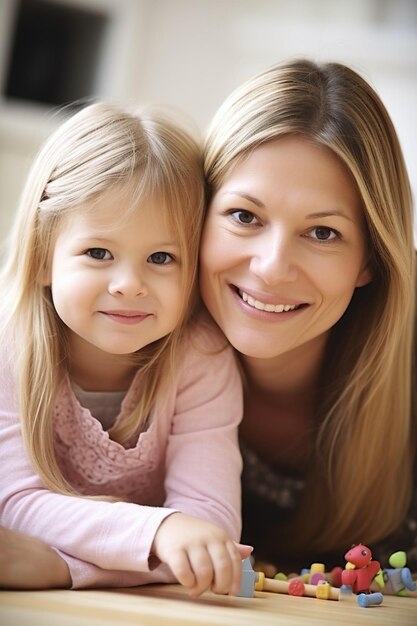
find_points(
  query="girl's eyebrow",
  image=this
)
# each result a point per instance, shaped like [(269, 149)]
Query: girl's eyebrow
[(246, 196), (106, 240), (92, 238)]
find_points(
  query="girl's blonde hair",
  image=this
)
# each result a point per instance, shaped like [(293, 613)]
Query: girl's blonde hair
[(102, 146), (360, 473)]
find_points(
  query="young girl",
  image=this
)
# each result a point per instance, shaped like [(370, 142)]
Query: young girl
[(118, 411)]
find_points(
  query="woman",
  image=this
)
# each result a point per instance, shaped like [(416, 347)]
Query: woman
[(307, 266)]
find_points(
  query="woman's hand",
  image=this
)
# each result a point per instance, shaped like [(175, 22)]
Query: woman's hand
[(28, 563), (200, 555)]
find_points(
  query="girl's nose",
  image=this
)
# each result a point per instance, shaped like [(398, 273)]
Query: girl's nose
[(127, 282), (273, 260)]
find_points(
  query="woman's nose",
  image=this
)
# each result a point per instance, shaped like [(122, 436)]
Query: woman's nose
[(127, 281), (273, 260)]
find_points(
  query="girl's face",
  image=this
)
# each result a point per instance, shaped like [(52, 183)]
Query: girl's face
[(116, 283), (283, 247)]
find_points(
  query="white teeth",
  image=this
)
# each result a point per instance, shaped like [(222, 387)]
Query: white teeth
[(261, 306)]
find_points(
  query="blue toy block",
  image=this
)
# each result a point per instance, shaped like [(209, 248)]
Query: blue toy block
[(249, 578), (370, 599)]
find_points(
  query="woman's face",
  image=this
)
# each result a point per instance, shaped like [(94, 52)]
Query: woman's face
[(283, 247)]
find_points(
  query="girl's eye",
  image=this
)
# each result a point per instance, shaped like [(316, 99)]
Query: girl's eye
[(99, 254), (160, 258), (244, 217), (324, 233)]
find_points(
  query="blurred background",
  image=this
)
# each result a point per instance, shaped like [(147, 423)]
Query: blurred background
[(188, 54)]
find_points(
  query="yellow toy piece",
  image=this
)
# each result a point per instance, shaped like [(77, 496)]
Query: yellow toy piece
[(379, 579), (259, 585), (323, 591)]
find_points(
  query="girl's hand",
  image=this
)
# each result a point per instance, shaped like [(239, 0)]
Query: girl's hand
[(200, 555), (28, 563)]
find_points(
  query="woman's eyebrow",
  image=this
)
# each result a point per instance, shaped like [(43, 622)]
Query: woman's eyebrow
[(246, 196), (332, 213), (261, 205)]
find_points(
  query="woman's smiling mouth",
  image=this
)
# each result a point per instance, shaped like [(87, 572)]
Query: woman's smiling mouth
[(268, 307)]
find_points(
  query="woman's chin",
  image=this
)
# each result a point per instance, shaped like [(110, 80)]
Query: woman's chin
[(253, 345)]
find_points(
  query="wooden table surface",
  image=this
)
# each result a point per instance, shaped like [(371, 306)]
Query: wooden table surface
[(169, 605)]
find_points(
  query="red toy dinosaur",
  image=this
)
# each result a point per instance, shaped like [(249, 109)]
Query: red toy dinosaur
[(362, 569)]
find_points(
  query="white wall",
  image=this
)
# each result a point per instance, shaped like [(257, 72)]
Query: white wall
[(192, 53)]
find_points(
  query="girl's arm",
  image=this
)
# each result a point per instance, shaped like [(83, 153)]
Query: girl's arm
[(203, 471), (203, 461), (28, 563)]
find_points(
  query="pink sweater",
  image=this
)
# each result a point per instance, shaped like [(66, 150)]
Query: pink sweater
[(187, 460)]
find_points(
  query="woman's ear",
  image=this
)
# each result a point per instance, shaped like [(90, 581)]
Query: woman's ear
[(365, 276)]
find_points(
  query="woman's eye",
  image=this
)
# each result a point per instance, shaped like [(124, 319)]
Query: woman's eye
[(99, 254), (160, 258), (324, 233), (244, 217)]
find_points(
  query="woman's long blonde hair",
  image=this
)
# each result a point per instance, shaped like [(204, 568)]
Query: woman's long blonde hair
[(360, 475), (145, 155)]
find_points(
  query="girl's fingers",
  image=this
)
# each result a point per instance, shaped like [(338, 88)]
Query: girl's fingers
[(227, 564), (182, 568), (222, 566), (202, 566), (236, 561)]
